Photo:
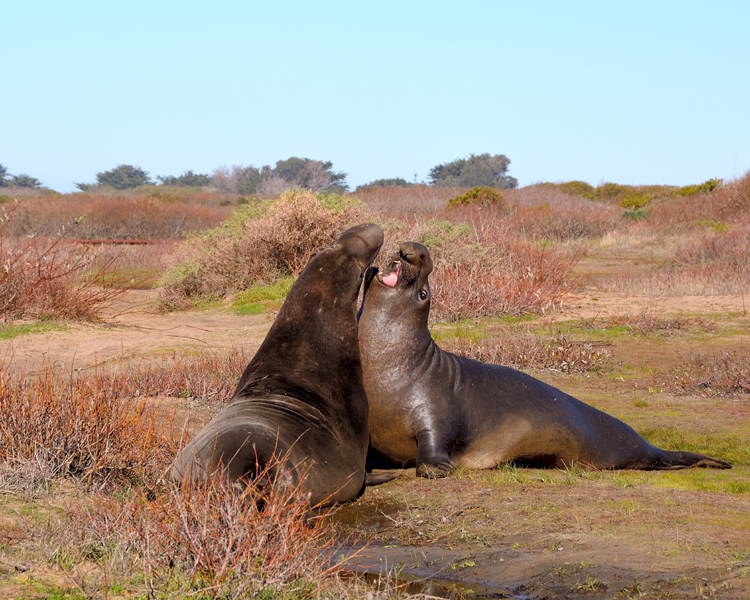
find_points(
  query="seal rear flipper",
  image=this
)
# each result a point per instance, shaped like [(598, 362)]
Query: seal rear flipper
[(378, 478), (687, 460)]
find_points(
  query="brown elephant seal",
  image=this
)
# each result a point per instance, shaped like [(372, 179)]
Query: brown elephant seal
[(437, 410), (301, 398)]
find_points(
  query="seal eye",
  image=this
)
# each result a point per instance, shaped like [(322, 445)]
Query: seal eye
[(423, 294)]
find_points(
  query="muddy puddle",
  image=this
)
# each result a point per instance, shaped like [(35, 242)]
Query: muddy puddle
[(391, 550)]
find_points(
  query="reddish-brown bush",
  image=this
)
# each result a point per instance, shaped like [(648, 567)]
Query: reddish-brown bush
[(117, 217), (482, 269), (48, 278), (404, 202), (524, 352), (728, 203), (89, 428), (713, 375), (214, 539), (259, 248)]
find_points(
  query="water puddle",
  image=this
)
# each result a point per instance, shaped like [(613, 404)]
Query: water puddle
[(406, 584)]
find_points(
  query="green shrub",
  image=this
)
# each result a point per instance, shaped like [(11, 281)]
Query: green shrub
[(477, 196), (703, 188), (577, 188), (717, 226), (610, 191), (635, 215), (634, 202)]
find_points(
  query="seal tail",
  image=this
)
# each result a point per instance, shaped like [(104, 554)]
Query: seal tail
[(668, 459)]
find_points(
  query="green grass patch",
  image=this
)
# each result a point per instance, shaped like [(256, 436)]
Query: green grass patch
[(8, 332), (716, 226), (140, 279), (260, 298)]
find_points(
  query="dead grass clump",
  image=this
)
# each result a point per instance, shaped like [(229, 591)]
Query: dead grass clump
[(727, 203), (524, 352), (715, 263), (206, 376), (47, 278), (215, 539), (86, 428), (258, 246), (102, 216), (713, 375), (647, 323), (402, 202), (481, 270)]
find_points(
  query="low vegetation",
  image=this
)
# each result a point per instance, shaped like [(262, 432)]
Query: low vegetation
[(49, 278), (86, 511)]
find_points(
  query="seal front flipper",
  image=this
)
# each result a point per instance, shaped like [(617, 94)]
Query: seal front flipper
[(433, 461)]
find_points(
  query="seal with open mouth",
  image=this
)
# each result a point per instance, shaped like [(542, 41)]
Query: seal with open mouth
[(301, 399), (436, 410)]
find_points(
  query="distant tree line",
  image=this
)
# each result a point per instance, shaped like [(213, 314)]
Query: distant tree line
[(22, 180), (287, 174), (483, 170)]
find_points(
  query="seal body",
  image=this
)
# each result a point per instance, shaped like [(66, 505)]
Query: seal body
[(435, 410), (300, 406)]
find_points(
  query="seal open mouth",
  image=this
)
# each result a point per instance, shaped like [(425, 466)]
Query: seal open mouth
[(390, 277)]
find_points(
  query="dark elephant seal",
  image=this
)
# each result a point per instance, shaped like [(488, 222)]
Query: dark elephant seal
[(437, 410), (301, 398)]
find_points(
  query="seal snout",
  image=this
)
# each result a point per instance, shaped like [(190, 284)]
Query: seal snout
[(362, 242), (417, 256)]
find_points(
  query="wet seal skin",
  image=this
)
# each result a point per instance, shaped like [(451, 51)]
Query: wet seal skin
[(435, 410), (301, 398)]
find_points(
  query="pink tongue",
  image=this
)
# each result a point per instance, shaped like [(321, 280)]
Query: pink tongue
[(390, 279)]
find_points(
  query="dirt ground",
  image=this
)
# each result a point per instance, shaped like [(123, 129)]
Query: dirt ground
[(133, 330), (519, 533)]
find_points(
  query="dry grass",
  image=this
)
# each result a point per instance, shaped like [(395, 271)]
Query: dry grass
[(530, 352), (91, 429), (127, 216), (258, 247), (724, 374), (47, 278), (215, 539)]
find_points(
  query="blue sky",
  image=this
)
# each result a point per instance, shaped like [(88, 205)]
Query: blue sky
[(630, 92)]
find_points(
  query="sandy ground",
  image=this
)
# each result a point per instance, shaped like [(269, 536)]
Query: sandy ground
[(133, 330)]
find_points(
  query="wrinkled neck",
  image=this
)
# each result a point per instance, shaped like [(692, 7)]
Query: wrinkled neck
[(388, 339)]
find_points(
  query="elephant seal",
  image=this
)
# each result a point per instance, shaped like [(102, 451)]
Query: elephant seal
[(437, 410), (301, 398)]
